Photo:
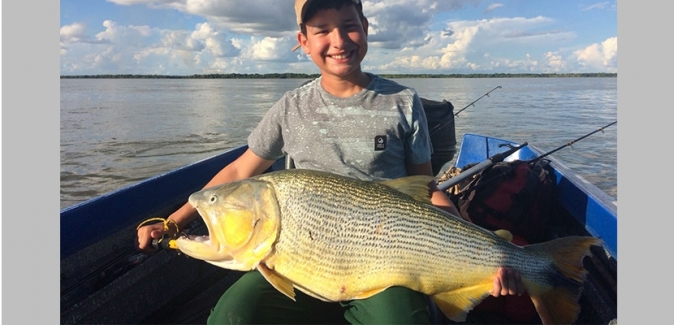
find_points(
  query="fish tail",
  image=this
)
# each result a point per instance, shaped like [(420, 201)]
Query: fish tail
[(557, 300)]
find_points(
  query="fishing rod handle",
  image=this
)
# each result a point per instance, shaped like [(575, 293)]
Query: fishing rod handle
[(480, 167), (462, 176), (165, 242)]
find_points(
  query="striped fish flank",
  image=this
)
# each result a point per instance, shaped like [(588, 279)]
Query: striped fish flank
[(337, 238)]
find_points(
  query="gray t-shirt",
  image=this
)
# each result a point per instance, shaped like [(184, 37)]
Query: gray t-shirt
[(370, 135)]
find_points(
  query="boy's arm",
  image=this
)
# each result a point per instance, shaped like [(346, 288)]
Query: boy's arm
[(247, 165), (438, 197)]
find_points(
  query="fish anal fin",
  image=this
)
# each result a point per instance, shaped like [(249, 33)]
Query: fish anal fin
[(415, 186), (278, 282), (456, 304), (368, 294), (505, 234)]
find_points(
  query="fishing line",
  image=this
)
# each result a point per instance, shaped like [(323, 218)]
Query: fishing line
[(447, 121), (574, 141)]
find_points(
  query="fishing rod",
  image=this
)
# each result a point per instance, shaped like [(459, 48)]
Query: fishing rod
[(501, 156), (574, 141), (451, 120)]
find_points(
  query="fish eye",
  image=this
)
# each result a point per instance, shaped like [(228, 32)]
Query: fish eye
[(213, 199)]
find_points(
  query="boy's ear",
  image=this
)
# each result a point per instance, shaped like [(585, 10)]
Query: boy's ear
[(302, 40), (366, 24)]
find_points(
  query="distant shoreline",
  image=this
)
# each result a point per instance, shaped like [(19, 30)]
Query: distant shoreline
[(311, 76)]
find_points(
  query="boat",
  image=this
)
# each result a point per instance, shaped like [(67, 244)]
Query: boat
[(104, 280)]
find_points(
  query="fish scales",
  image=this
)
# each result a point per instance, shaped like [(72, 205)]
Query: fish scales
[(335, 239), (338, 238)]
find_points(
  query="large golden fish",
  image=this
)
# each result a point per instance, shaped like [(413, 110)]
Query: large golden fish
[(337, 238)]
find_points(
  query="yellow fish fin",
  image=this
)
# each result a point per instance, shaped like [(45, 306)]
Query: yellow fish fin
[(278, 282), (368, 294), (504, 234), (456, 304), (559, 304), (415, 186)]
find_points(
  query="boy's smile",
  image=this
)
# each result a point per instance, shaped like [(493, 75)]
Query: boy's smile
[(336, 40)]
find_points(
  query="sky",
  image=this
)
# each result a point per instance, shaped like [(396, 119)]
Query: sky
[(187, 37)]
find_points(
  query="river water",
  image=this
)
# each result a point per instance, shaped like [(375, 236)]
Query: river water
[(116, 132)]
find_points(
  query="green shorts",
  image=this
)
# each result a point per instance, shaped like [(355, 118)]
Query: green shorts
[(252, 300)]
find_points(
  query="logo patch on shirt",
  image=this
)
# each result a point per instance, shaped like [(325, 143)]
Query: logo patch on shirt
[(379, 143)]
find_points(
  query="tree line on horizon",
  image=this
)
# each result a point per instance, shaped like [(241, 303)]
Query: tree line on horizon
[(312, 76)]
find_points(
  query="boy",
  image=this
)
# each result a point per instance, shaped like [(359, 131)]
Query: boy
[(348, 122)]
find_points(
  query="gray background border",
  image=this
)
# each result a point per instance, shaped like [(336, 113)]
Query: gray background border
[(30, 162)]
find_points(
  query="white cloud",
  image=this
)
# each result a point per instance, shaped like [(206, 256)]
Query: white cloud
[(554, 62), (73, 33), (255, 17), (137, 36), (602, 55), (151, 50), (182, 40), (469, 45), (397, 24), (214, 41), (275, 18), (204, 38), (601, 5), (148, 2), (404, 36), (492, 7), (270, 48)]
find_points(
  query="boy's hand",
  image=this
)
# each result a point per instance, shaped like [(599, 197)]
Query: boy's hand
[(507, 282), (147, 233)]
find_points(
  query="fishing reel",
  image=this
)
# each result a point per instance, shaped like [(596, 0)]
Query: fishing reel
[(165, 242)]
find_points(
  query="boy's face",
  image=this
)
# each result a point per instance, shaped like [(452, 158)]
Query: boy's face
[(336, 40)]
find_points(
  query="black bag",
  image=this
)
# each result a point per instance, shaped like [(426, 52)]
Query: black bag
[(517, 196), (440, 118)]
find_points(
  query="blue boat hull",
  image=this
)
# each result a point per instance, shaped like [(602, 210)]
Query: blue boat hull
[(105, 281)]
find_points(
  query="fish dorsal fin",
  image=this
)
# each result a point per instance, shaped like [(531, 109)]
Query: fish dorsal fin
[(504, 234), (281, 284), (415, 186), (456, 304)]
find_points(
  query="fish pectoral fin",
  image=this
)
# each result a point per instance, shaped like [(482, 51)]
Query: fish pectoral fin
[(504, 234), (281, 284), (415, 186), (456, 304)]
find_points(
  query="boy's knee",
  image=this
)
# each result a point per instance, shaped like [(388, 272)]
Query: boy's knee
[(225, 315), (239, 303), (395, 305)]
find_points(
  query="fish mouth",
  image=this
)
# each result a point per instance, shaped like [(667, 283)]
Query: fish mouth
[(204, 247), (201, 247), (198, 238)]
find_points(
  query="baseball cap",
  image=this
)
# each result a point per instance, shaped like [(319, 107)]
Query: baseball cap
[(300, 6)]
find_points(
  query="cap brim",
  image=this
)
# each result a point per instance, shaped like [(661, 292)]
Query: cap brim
[(296, 47)]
